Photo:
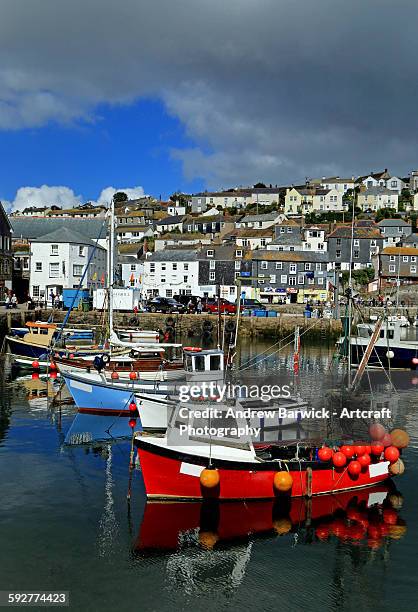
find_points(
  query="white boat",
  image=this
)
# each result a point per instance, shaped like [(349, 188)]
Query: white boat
[(136, 335)]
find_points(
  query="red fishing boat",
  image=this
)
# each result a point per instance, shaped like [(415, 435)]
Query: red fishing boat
[(192, 463)]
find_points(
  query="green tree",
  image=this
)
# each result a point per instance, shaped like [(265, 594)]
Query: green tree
[(120, 197), (259, 186)]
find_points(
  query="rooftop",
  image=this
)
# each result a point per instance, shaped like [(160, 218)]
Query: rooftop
[(174, 255), (344, 231), (400, 251), (307, 256), (393, 223), (66, 235), (34, 227)]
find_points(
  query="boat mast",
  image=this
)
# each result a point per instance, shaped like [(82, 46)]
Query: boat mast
[(350, 288), (111, 262)]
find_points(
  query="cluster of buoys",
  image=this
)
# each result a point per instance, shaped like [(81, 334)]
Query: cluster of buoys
[(357, 457), (360, 522), (133, 412)]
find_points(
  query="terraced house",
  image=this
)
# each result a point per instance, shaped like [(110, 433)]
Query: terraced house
[(297, 276), (219, 266), (6, 260), (312, 199), (367, 242), (395, 263)]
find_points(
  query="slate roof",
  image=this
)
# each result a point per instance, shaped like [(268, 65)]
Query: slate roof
[(393, 223), (288, 239), (64, 235), (377, 191), (344, 231), (172, 219), (308, 256), (265, 217), (412, 238), (251, 233), (127, 259), (34, 227), (174, 255), (400, 251)]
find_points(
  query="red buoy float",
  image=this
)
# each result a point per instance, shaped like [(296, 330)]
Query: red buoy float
[(347, 450), (391, 454), (132, 375), (377, 448), (132, 407), (209, 478), (114, 375), (359, 449), (354, 468), (52, 366), (282, 481), (339, 459), (132, 423), (325, 453), (364, 460), (35, 364)]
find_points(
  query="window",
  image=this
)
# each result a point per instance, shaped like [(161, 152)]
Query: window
[(356, 242), (212, 264), (320, 281), (338, 241), (293, 268), (392, 268), (237, 265), (356, 254), (133, 267), (163, 267), (292, 280), (413, 259), (263, 242), (338, 253), (35, 291), (272, 279), (77, 270), (289, 230), (372, 243), (209, 253), (162, 279), (38, 266), (392, 258), (26, 263), (264, 265), (238, 253), (307, 266), (413, 269), (212, 276), (301, 279), (174, 266), (282, 230), (279, 265), (169, 293), (81, 251), (405, 258), (152, 267), (185, 279), (186, 267), (54, 270), (283, 279), (54, 249), (318, 266)]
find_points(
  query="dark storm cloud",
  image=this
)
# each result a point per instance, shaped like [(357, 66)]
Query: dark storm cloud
[(267, 89)]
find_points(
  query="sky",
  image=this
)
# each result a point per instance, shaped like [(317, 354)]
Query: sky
[(155, 97)]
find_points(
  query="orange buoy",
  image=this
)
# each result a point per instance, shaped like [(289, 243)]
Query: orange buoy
[(339, 459), (397, 468), (399, 438), (208, 539), (132, 375), (354, 468), (114, 375), (282, 481), (282, 526), (391, 454), (209, 478)]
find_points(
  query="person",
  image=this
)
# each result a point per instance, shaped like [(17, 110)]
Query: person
[(61, 301), (52, 298), (57, 301), (13, 301), (199, 306), (29, 302), (7, 302), (190, 305)]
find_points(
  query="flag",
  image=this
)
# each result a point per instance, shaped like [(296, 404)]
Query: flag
[(94, 277), (102, 280), (132, 278)]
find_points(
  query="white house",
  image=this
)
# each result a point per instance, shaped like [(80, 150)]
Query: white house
[(342, 185), (376, 198), (58, 261), (415, 202), (312, 199), (259, 221), (314, 239), (131, 271), (171, 272), (133, 233), (175, 208)]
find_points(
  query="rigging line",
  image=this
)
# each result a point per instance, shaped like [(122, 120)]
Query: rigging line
[(378, 358), (282, 347), (267, 349)]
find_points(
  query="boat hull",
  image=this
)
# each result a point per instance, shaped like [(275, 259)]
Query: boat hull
[(169, 474), (402, 356)]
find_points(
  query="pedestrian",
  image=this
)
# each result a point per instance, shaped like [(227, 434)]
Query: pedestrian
[(13, 301), (7, 302), (52, 298), (199, 306), (190, 305)]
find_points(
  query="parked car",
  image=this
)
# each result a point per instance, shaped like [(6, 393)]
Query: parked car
[(185, 299), (252, 304), (162, 304), (211, 305)]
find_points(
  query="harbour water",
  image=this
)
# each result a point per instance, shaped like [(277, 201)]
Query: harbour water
[(66, 524)]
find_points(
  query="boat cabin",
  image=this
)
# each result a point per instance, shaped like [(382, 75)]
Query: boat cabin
[(208, 363), (39, 333), (389, 331)]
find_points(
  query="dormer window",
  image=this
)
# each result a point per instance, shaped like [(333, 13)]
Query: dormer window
[(209, 253)]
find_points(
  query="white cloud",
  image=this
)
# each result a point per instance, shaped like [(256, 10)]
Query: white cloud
[(63, 196)]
